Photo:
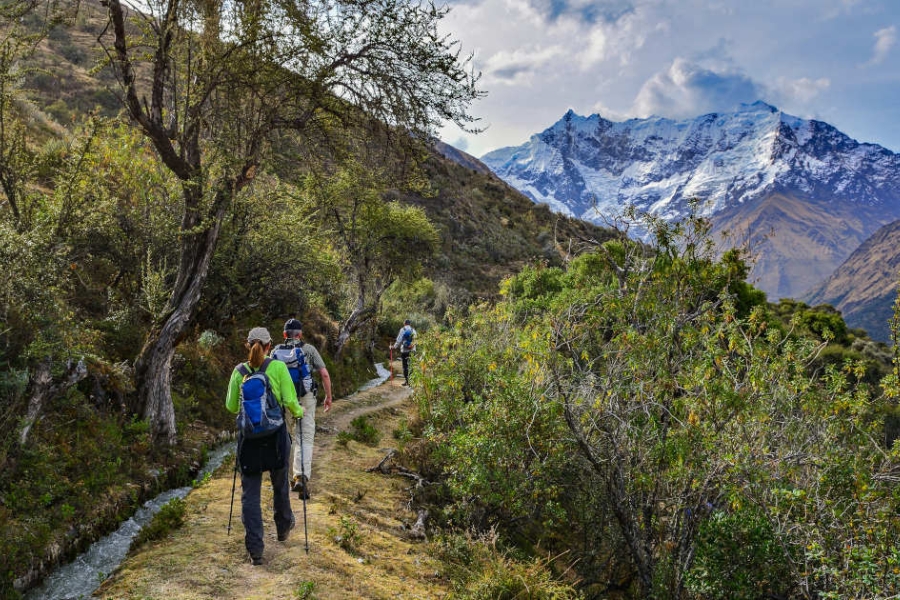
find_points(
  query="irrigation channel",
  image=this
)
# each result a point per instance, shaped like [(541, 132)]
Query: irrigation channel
[(81, 577)]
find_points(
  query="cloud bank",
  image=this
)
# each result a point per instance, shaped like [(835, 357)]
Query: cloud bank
[(679, 59)]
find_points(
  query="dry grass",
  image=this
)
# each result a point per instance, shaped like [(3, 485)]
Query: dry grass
[(201, 560)]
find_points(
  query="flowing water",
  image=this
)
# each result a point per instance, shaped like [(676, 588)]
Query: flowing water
[(81, 577), (383, 375)]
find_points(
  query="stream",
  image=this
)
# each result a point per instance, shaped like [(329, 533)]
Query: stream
[(81, 577)]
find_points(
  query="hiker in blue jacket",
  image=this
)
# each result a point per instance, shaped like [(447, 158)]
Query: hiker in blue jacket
[(269, 453), (406, 344)]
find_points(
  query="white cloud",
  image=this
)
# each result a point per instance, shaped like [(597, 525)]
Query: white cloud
[(798, 91), (518, 67), (885, 40), (610, 114), (686, 89)]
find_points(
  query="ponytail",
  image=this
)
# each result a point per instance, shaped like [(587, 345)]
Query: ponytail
[(257, 354)]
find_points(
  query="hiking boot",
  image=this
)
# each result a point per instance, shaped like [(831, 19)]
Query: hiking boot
[(284, 535), (256, 560), (297, 484), (302, 487)]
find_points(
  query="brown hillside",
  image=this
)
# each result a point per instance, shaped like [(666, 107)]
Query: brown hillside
[(795, 243), (864, 287), (488, 229)]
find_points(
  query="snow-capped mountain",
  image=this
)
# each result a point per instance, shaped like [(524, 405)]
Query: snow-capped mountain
[(812, 188)]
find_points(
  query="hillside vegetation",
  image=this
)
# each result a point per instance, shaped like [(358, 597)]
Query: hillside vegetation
[(97, 228), (596, 417), (649, 420)]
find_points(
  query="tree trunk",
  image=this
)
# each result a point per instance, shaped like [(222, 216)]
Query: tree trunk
[(361, 315), (153, 368), (42, 389)]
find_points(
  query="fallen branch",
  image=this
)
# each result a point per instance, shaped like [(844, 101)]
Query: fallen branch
[(382, 466), (404, 472)]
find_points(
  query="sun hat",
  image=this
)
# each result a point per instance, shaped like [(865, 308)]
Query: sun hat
[(260, 334)]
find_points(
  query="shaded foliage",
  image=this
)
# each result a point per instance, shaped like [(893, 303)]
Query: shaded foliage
[(690, 414)]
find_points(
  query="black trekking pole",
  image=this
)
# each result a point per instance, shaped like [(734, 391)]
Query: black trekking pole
[(305, 491), (237, 451)]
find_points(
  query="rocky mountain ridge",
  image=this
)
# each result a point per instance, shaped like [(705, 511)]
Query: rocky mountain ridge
[(754, 170)]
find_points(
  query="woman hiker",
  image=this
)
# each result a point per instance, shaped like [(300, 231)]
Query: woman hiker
[(268, 452)]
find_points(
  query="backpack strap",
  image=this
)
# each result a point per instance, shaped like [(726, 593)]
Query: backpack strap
[(244, 369)]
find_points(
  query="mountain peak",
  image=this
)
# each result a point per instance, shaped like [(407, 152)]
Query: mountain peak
[(593, 169), (756, 106)]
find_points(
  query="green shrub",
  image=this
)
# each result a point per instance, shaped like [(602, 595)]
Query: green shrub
[(738, 557), (169, 518), (305, 591), (348, 536), (362, 431)]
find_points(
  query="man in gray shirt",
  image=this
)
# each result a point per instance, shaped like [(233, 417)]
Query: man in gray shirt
[(303, 360)]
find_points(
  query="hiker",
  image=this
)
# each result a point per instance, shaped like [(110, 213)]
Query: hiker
[(303, 360), (268, 452), (406, 344)]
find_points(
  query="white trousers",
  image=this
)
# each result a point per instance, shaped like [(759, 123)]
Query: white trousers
[(304, 436)]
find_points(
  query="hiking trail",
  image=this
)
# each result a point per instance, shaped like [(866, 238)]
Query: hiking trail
[(359, 524)]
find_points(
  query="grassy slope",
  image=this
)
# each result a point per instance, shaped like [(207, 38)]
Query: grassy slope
[(490, 230)]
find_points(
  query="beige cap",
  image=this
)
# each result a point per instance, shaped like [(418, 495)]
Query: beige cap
[(259, 334)]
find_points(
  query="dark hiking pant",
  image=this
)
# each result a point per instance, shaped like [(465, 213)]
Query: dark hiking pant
[(251, 509), (404, 358), (251, 501)]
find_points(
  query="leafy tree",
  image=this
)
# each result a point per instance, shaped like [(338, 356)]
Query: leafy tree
[(271, 243), (381, 241), (225, 81), (692, 425)]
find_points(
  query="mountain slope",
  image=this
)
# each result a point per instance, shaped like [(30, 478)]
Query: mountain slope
[(864, 287), (591, 167), (794, 243), (488, 229)]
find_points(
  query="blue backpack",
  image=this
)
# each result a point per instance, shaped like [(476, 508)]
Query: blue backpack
[(295, 360), (407, 339), (260, 414)]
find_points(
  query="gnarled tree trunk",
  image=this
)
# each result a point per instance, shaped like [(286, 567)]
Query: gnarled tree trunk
[(42, 389), (153, 368)]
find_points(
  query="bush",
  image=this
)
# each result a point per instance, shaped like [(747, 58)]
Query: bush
[(362, 431), (738, 557), (169, 518)]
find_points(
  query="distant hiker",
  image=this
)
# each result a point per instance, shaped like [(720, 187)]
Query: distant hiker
[(302, 360), (406, 344), (258, 392)]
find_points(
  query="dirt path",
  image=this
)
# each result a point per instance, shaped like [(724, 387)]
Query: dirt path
[(200, 560)]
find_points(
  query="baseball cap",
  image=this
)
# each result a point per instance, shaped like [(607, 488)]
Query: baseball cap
[(260, 334)]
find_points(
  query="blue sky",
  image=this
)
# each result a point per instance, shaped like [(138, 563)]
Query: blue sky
[(833, 60)]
